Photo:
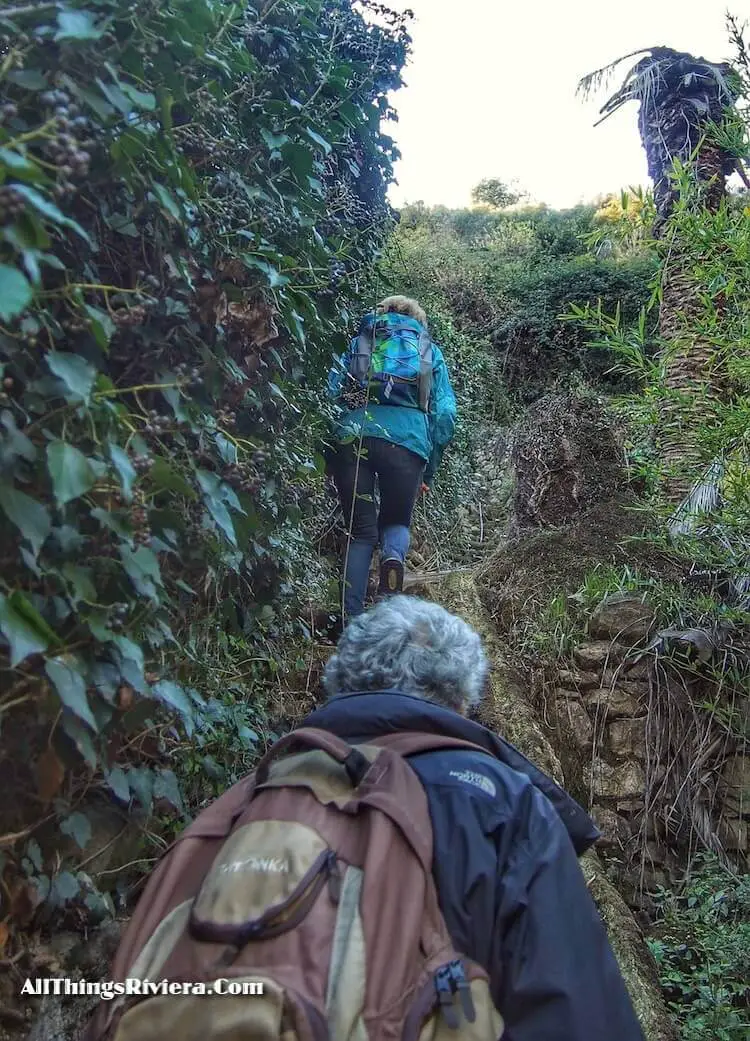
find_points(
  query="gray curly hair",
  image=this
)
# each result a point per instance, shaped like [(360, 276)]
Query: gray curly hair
[(412, 646)]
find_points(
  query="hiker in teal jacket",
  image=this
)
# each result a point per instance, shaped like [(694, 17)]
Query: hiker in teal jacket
[(387, 430)]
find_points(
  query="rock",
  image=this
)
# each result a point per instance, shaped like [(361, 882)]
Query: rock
[(627, 738), (637, 688), (614, 828), (630, 808), (622, 616), (613, 704), (626, 780), (572, 714), (573, 679), (735, 784), (595, 655), (639, 670), (563, 694)]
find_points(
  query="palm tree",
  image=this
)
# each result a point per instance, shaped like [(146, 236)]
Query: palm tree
[(680, 97)]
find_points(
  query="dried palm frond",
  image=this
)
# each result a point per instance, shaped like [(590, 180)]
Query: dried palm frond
[(664, 70), (599, 78)]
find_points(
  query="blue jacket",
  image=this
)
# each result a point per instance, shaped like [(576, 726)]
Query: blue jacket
[(426, 435), (510, 886)]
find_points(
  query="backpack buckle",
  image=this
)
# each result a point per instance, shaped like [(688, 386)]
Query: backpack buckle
[(445, 990), (462, 985)]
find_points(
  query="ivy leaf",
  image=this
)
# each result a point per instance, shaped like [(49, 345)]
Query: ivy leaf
[(71, 472), (71, 687), (65, 887), (81, 738), (78, 826), (112, 522), (131, 663), (166, 787), (211, 496), (118, 782), (125, 469), (81, 582), (76, 25), (166, 200), (17, 444), (145, 101), (325, 145), (77, 374), (49, 210), (20, 165), (173, 695), (273, 276), (274, 141), (143, 570), (15, 292), (141, 781), (102, 326), (23, 627), (165, 478), (30, 517)]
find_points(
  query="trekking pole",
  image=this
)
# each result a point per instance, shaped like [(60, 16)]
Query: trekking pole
[(356, 473)]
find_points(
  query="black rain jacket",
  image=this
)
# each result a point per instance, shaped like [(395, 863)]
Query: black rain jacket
[(506, 840)]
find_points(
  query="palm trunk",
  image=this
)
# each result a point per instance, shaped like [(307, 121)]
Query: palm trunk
[(692, 380)]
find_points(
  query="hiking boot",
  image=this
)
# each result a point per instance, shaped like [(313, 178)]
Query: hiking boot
[(391, 577)]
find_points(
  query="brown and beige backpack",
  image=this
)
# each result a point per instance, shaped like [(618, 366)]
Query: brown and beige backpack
[(301, 906)]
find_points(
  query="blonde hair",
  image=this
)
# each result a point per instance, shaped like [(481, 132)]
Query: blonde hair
[(402, 305)]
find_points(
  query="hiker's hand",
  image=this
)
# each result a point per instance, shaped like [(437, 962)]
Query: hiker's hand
[(424, 489)]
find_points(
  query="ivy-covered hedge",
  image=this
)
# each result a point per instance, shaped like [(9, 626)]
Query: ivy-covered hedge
[(191, 193)]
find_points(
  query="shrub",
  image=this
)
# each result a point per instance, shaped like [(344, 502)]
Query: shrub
[(190, 191), (702, 948)]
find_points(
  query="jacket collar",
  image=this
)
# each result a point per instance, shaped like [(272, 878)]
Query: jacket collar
[(363, 715)]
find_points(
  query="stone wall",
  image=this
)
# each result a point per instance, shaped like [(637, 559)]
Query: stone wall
[(604, 712)]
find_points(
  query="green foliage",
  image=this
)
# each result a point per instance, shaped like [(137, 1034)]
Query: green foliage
[(189, 195), (702, 949), (496, 193)]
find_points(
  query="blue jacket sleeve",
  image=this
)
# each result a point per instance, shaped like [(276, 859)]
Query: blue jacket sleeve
[(442, 414), (558, 977)]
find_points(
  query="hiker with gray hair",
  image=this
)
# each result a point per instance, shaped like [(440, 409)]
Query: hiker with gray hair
[(506, 837)]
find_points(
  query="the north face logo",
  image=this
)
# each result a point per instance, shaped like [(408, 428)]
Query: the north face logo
[(475, 779)]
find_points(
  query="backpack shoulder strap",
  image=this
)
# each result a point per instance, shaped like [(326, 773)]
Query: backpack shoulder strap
[(425, 369), (411, 743), (359, 363)]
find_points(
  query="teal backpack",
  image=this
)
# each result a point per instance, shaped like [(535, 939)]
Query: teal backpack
[(393, 356)]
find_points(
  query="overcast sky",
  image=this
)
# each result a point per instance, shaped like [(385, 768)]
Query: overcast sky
[(491, 92)]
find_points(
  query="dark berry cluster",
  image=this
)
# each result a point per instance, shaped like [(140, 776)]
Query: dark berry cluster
[(142, 463), (190, 375), (119, 614), (156, 423), (12, 203), (242, 477), (69, 148), (139, 520), (8, 111), (225, 418)]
